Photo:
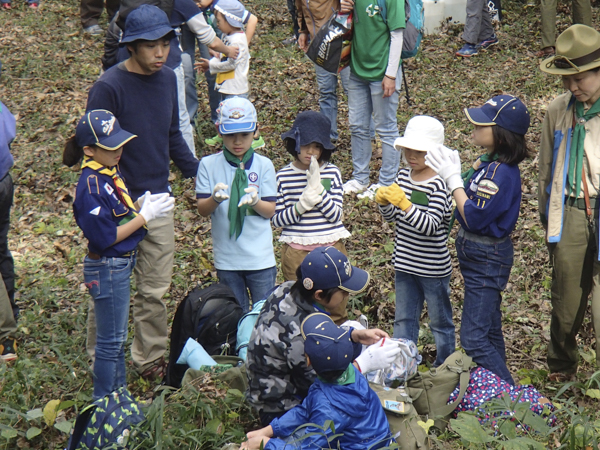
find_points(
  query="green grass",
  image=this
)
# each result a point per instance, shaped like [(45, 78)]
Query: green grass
[(48, 67)]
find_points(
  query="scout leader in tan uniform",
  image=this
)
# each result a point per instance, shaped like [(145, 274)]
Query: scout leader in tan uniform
[(569, 182)]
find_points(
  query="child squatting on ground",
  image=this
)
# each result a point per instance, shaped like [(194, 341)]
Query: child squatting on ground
[(113, 226), (340, 393), (420, 205), (236, 187), (309, 196), (488, 199)]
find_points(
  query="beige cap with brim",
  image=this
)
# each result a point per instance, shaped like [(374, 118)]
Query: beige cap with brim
[(577, 51)]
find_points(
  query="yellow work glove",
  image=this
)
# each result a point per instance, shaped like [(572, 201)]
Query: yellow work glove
[(381, 196), (397, 197)]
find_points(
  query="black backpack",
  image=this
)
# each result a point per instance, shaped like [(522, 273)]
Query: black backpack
[(209, 315)]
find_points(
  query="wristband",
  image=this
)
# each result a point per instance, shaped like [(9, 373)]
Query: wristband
[(391, 78)]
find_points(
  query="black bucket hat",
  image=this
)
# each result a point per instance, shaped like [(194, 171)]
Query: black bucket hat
[(309, 127)]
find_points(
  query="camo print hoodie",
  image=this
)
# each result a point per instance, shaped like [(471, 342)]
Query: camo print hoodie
[(278, 376)]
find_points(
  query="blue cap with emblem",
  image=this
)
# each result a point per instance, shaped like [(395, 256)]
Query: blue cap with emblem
[(101, 128), (236, 115), (505, 111), (328, 346), (327, 267)]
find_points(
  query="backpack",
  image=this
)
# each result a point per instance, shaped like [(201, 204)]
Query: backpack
[(126, 6), (413, 33), (402, 417), (106, 422), (209, 315), (430, 390), (245, 327)]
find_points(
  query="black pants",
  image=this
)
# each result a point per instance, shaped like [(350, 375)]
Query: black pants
[(266, 418), (7, 267), (91, 10)]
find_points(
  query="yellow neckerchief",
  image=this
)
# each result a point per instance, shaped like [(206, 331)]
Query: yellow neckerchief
[(121, 189)]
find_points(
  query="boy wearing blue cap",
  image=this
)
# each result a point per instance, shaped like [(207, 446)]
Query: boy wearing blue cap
[(236, 188), (340, 393), (114, 226), (488, 199)]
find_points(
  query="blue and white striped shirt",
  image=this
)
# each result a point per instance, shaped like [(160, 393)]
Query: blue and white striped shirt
[(321, 225)]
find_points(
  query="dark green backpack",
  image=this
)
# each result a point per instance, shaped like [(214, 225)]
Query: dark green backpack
[(430, 390), (106, 422)]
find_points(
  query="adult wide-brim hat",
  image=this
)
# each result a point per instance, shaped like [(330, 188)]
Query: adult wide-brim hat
[(147, 23), (577, 50)]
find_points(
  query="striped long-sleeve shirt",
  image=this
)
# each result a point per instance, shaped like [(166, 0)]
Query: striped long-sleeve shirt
[(321, 225), (422, 232)]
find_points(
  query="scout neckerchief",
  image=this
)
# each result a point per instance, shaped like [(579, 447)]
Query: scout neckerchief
[(240, 182), (121, 189), (466, 176), (576, 156), (348, 377)]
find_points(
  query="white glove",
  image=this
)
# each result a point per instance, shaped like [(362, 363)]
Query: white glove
[(251, 197), (446, 163), (147, 194), (377, 356), (157, 207), (313, 176), (308, 200), (219, 193)]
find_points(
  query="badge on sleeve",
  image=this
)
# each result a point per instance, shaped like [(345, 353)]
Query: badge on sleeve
[(95, 211), (108, 188), (487, 187)]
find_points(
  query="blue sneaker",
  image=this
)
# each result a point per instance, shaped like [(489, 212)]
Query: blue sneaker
[(493, 40), (468, 50)]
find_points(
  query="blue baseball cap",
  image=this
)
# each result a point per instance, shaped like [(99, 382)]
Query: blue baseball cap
[(327, 267), (505, 111), (234, 12), (328, 346), (148, 23), (101, 128), (236, 115)]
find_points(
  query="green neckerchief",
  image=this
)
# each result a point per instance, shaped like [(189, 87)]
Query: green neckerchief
[(576, 156), (240, 182), (348, 377), (466, 176)]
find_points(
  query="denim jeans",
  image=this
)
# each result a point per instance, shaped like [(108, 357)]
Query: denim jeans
[(259, 282), (184, 118), (411, 291), (365, 99), (188, 47), (485, 267), (213, 95), (108, 281)]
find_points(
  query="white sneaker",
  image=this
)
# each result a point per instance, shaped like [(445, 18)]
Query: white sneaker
[(354, 186), (370, 193)]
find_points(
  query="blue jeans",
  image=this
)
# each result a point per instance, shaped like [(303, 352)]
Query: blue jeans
[(485, 267), (108, 281), (185, 126), (188, 47), (328, 99), (411, 291), (259, 282), (214, 97), (365, 99)]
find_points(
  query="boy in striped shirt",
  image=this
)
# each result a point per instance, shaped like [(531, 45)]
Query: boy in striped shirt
[(309, 197), (421, 206)]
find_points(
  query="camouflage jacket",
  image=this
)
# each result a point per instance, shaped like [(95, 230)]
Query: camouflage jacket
[(276, 366)]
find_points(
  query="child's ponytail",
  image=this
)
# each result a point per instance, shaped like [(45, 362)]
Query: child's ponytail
[(72, 153)]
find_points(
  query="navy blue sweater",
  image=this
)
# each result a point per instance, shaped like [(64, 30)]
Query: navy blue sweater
[(145, 105)]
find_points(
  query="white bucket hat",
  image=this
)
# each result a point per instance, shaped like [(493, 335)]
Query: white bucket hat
[(422, 133)]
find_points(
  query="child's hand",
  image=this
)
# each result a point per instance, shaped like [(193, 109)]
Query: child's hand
[(396, 196), (381, 196), (308, 200), (201, 66), (219, 193), (313, 176), (251, 197), (214, 53), (154, 208)]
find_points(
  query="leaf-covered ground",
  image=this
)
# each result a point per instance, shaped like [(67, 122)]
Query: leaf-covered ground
[(48, 67)]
